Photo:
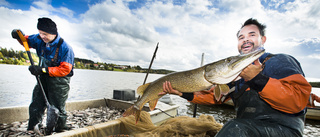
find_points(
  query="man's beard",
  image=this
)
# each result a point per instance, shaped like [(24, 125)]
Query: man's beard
[(254, 47)]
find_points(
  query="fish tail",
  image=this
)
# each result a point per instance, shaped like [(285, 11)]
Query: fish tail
[(132, 111), (137, 115)]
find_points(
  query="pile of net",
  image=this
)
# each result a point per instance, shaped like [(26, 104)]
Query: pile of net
[(181, 126)]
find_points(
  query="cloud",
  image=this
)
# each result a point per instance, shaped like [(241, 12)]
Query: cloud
[(4, 3), (113, 33), (116, 32), (45, 5)]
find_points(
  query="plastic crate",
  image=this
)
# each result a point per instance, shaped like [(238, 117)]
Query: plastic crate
[(124, 94)]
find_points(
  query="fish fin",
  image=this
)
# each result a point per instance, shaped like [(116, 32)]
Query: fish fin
[(142, 88), (132, 111), (224, 89), (217, 93), (219, 90), (152, 104)]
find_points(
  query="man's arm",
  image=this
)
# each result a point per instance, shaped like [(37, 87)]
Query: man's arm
[(66, 63), (62, 70), (316, 98), (284, 88), (205, 97)]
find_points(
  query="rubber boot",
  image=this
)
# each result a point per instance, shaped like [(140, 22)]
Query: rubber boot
[(61, 124)]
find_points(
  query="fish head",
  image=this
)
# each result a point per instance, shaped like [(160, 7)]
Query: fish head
[(228, 69)]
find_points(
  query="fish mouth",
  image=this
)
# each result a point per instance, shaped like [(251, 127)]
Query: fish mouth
[(245, 58), (224, 71)]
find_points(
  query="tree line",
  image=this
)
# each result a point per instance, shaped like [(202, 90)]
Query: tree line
[(10, 56), (21, 58), (15, 57)]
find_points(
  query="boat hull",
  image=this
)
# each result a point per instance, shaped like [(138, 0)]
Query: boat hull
[(313, 113), (114, 127)]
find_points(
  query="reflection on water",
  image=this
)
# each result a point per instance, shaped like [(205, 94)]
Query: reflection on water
[(16, 85)]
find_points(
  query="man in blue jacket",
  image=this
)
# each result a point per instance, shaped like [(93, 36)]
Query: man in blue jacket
[(56, 59), (270, 98)]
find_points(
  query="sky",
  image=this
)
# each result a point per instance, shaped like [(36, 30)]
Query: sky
[(126, 32)]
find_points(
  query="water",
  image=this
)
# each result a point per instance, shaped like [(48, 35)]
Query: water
[(16, 85)]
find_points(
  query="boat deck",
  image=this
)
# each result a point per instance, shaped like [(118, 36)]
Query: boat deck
[(162, 112)]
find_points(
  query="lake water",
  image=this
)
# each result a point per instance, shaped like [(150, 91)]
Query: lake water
[(16, 85)]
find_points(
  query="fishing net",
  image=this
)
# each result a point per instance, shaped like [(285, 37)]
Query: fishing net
[(182, 126)]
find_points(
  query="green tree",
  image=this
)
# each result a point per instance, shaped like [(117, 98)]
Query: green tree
[(9, 61), (11, 53), (23, 61), (1, 55), (138, 67), (4, 51), (25, 55), (79, 65), (15, 61)]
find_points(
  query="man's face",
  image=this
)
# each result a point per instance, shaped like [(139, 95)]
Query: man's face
[(249, 39), (46, 37)]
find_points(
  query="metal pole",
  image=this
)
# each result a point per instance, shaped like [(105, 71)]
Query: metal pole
[(154, 55), (196, 105)]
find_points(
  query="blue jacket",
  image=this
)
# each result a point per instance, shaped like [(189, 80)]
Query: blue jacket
[(63, 65)]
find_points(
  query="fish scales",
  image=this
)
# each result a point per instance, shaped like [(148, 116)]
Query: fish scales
[(185, 81), (217, 73)]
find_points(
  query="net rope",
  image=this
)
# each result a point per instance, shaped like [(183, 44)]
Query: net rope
[(182, 126)]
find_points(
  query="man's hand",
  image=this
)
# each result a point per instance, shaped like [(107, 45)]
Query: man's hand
[(203, 92), (36, 70), (251, 71), (167, 88), (15, 35)]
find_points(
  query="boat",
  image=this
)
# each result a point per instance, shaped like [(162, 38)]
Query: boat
[(160, 114), (313, 113)]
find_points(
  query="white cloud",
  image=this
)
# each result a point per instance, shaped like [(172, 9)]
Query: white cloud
[(314, 56), (45, 5), (4, 3), (110, 32)]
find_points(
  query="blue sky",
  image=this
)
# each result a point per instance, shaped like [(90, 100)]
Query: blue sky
[(127, 31), (78, 6)]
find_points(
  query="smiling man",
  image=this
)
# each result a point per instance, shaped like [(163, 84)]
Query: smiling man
[(270, 98), (249, 38)]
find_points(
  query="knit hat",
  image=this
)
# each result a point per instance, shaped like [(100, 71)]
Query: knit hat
[(47, 25)]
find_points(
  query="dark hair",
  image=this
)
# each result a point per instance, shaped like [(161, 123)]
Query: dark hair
[(260, 26)]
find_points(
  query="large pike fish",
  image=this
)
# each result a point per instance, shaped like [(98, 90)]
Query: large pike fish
[(217, 73)]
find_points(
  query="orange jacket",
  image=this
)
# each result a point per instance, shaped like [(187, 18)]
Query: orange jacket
[(281, 84)]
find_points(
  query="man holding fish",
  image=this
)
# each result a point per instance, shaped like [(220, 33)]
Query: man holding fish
[(270, 98)]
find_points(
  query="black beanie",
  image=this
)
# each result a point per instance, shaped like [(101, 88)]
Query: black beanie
[(47, 25)]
